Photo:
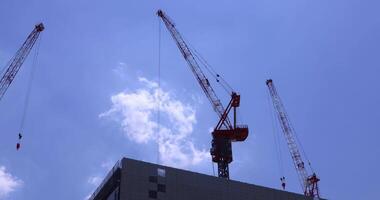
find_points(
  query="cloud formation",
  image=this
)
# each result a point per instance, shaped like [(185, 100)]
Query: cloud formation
[(8, 183), (136, 111), (120, 69), (95, 180)]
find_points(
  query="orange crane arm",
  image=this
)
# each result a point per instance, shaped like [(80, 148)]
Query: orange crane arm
[(19, 59)]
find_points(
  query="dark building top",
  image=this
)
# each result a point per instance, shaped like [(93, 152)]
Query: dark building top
[(137, 180)]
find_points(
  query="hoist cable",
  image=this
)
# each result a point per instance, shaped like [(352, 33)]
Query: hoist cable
[(28, 92), (210, 69), (29, 86), (207, 65), (211, 73), (302, 149), (275, 131), (158, 92)]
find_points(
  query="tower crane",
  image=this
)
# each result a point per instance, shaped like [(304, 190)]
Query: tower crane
[(19, 59), (224, 132), (309, 182)]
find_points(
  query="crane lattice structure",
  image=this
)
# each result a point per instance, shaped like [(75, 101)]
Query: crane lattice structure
[(224, 132), (309, 183), (19, 59)]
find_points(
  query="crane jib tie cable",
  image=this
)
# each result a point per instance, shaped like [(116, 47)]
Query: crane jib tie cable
[(27, 96)]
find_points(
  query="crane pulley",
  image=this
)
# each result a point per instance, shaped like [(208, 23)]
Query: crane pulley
[(224, 132), (309, 183)]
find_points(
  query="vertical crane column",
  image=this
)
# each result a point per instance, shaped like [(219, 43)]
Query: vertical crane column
[(308, 183), (19, 59)]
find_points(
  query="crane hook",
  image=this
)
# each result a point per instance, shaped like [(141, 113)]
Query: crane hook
[(18, 145), (283, 184)]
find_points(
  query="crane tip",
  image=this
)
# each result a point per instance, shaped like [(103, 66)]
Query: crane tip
[(269, 81), (160, 13), (40, 27)]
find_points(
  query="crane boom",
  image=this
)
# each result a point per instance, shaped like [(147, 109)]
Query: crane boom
[(195, 68), (224, 132), (19, 59), (309, 183)]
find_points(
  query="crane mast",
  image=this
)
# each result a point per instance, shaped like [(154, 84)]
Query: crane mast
[(309, 183), (225, 132), (19, 59)]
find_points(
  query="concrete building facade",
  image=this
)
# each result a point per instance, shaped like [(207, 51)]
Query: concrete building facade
[(136, 180)]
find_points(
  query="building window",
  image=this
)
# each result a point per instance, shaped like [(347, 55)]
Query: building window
[(161, 172), (152, 194), (153, 179), (161, 188)]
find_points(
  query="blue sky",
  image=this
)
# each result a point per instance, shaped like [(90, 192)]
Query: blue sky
[(96, 55)]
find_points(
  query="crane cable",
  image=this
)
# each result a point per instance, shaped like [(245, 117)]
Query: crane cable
[(218, 78), (276, 138), (213, 74), (28, 92), (300, 144), (158, 93), (302, 149)]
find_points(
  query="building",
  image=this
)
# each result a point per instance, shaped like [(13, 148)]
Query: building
[(136, 180)]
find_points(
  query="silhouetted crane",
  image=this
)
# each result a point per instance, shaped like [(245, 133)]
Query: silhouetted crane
[(224, 132), (309, 183)]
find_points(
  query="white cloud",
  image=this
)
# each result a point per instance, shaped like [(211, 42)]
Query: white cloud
[(148, 83), (94, 180), (107, 165), (8, 183), (137, 113), (120, 69)]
